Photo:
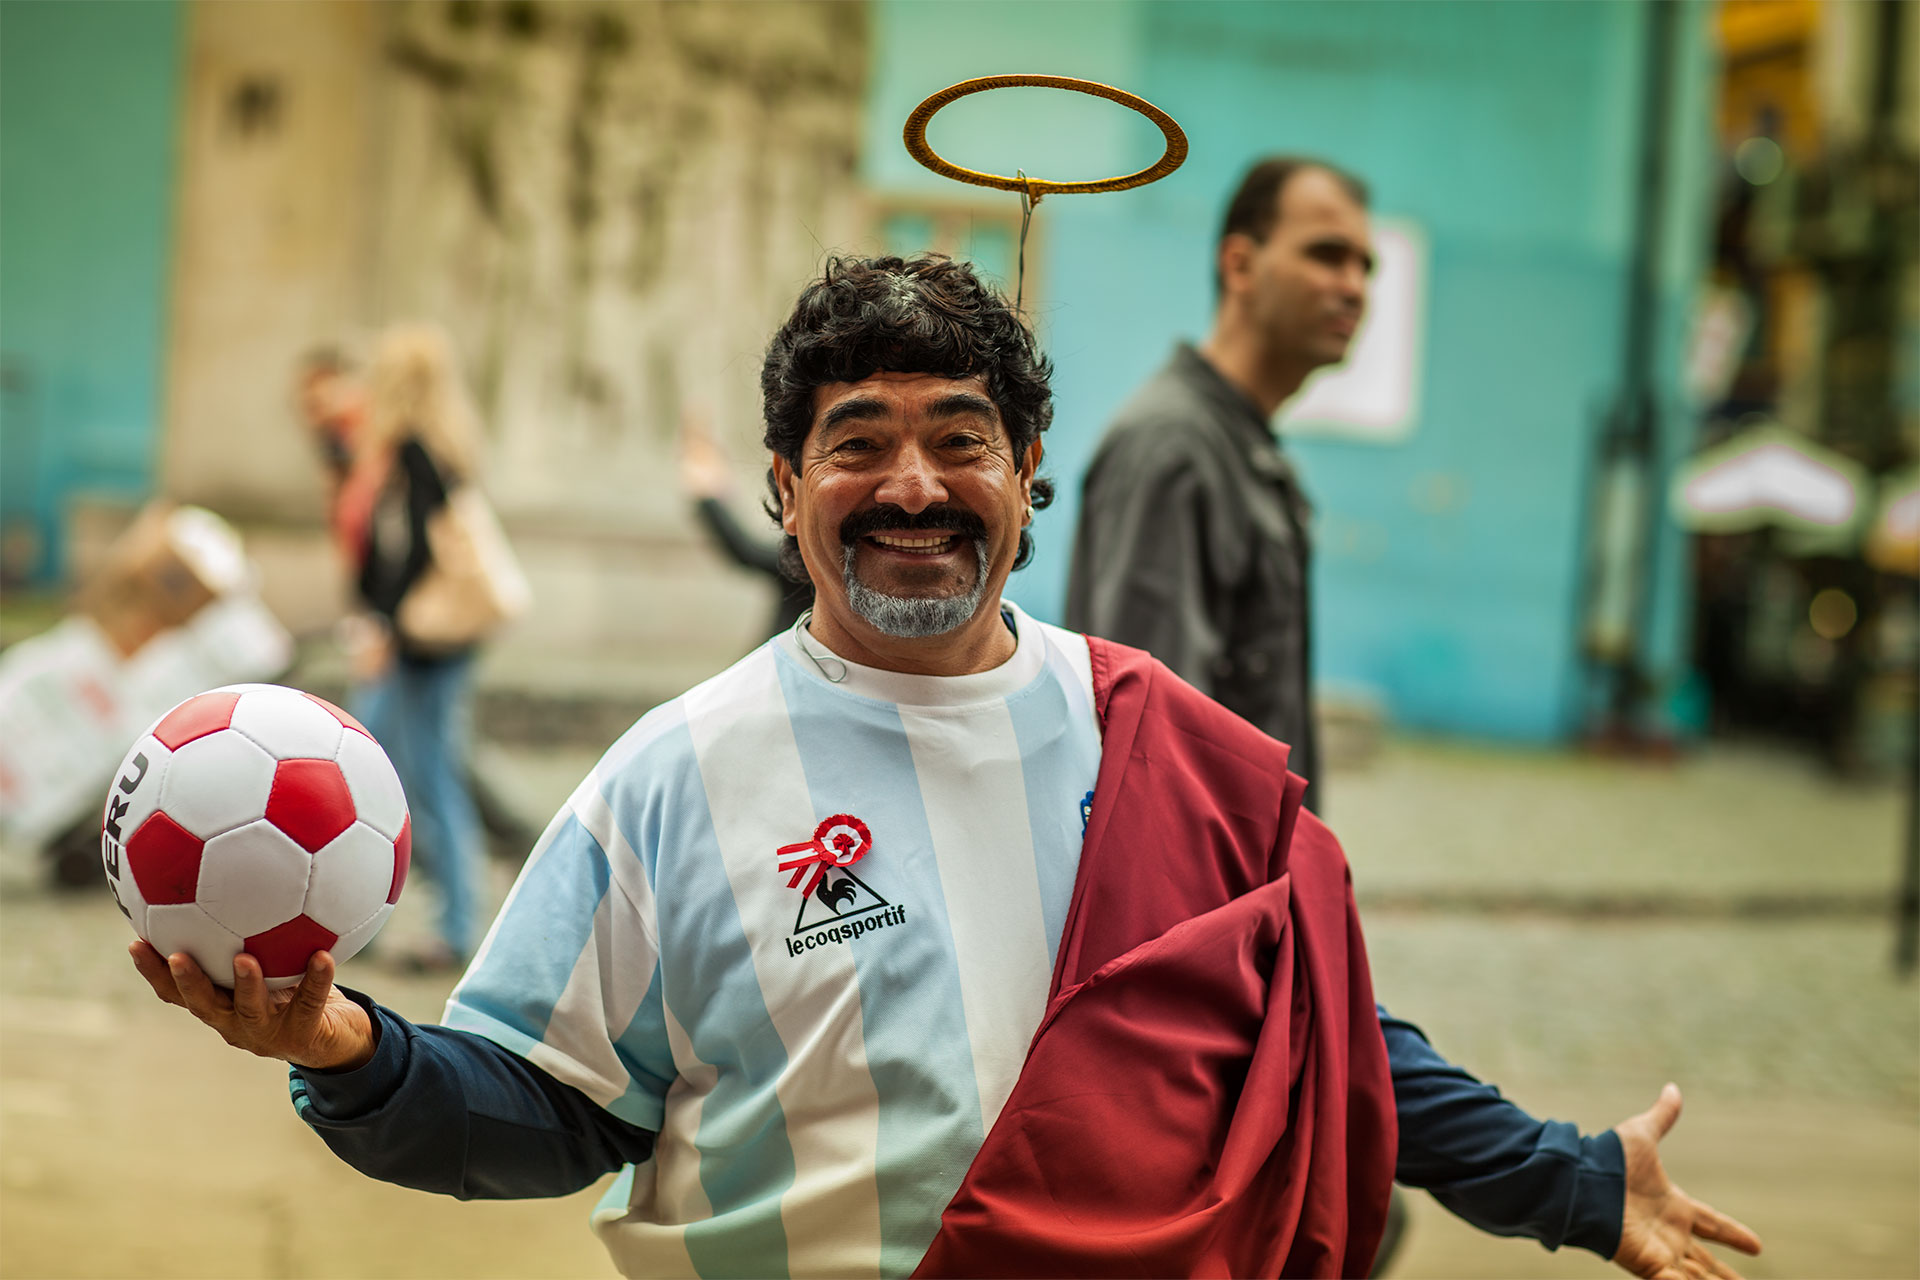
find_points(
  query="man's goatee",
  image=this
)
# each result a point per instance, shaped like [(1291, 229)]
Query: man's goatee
[(915, 617)]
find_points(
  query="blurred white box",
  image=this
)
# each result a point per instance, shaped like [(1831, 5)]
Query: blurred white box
[(60, 727), (70, 706)]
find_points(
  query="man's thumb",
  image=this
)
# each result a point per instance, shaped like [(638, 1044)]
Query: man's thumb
[(1665, 1110)]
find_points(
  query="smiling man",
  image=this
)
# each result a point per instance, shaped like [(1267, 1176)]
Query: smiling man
[(926, 939), (893, 489)]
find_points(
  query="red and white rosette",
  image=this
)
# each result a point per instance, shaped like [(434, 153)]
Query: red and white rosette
[(840, 841)]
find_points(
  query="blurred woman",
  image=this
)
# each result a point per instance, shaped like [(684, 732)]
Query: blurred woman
[(420, 440)]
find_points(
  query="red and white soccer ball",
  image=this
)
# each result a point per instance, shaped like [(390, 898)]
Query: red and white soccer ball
[(261, 819)]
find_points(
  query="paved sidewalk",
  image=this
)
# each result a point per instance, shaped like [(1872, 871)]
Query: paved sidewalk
[(1723, 827), (1581, 931), (133, 1143)]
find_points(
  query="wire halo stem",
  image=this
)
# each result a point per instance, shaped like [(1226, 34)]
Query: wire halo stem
[(1027, 201)]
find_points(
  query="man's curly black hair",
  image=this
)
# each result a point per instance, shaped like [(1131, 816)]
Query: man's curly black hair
[(925, 314)]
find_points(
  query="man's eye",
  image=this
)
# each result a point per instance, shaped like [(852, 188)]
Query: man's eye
[(854, 444), (964, 442)]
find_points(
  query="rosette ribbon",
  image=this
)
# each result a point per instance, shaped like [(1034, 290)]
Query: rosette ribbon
[(840, 841)]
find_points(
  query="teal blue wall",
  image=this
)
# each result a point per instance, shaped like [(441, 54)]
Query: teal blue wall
[(1509, 132), (88, 95), (1696, 159)]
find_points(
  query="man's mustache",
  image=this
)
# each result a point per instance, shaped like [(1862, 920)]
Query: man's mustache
[(887, 518)]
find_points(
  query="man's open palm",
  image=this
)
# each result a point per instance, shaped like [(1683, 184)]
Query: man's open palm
[(1662, 1228), (309, 1025)]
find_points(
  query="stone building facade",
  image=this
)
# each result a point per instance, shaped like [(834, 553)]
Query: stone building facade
[(609, 206)]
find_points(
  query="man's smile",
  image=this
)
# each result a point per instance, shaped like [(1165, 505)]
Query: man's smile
[(913, 539), (918, 544)]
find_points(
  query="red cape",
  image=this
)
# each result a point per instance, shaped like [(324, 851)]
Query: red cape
[(1208, 1093)]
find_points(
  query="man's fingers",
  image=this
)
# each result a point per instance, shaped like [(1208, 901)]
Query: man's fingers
[(197, 992), (250, 998), (1711, 1224), (310, 997), (153, 967), (1709, 1265)]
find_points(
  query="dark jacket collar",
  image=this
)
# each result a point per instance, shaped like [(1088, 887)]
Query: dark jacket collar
[(1241, 415)]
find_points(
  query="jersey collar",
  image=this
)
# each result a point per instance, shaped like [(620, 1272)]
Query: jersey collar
[(820, 664)]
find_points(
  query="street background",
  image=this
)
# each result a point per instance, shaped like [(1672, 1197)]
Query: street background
[(1621, 721)]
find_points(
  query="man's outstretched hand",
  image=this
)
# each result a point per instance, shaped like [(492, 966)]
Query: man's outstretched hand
[(1662, 1230), (704, 470), (310, 1024)]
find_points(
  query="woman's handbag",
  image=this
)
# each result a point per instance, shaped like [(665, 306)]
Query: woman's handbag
[(473, 583)]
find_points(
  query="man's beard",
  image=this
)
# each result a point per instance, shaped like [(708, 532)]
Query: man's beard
[(913, 617)]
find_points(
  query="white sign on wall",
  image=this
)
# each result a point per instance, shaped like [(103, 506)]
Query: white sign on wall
[(1375, 394)]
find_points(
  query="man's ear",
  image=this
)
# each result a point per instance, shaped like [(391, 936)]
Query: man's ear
[(1030, 466), (783, 480), (1235, 258)]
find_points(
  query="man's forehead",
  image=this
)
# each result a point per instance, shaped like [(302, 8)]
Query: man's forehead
[(904, 391), (1315, 202)]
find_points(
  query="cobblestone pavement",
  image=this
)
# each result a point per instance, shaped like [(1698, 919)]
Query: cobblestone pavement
[(1579, 931)]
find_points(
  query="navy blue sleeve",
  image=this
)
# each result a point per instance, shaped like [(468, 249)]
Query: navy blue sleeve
[(452, 1112), (1494, 1165)]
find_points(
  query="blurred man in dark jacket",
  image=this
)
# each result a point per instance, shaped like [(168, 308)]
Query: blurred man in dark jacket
[(1193, 541)]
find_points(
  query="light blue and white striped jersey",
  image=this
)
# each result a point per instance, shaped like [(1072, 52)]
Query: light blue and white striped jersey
[(821, 1066)]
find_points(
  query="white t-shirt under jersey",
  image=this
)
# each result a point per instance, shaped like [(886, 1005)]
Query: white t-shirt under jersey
[(821, 1068)]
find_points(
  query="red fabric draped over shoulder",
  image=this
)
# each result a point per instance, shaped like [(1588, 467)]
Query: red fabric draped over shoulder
[(1208, 1092)]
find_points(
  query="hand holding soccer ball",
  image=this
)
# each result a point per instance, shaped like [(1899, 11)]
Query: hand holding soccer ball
[(311, 1025), (256, 819), (194, 883)]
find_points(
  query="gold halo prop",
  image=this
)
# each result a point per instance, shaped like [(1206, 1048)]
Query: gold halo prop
[(1033, 189), (915, 136)]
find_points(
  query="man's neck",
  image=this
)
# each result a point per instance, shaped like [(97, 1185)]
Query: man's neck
[(1237, 354), (982, 644)]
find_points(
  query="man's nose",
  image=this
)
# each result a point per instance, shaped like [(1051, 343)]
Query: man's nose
[(1353, 283), (913, 483)]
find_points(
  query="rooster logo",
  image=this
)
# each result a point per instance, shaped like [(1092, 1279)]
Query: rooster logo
[(836, 894)]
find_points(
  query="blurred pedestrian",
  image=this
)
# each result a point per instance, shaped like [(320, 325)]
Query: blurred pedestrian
[(420, 441), (707, 478), (1193, 541), (332, 403), (331, 399), (332, 407)]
